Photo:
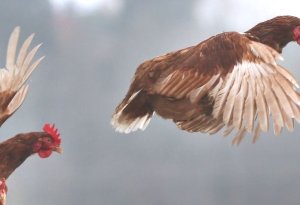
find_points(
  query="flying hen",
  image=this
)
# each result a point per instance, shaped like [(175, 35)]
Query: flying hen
[(13, 90), (231, 81)]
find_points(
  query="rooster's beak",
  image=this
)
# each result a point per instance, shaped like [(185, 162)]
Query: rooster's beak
[(58, 150)]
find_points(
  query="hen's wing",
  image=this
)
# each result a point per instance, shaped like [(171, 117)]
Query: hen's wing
[(18, 68), (236, 80)]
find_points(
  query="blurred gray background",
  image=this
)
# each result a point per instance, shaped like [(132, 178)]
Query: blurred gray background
[(92, 49)]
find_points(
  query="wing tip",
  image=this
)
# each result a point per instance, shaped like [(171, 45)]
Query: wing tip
[(129, 125)]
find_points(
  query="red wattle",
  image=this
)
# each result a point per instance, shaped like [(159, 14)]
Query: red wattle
[(45, 153)]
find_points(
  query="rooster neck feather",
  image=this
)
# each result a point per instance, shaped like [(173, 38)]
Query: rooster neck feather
[(14, 151)]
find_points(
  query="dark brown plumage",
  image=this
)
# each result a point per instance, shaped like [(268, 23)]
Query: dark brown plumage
[(230, 80), (277, 32), (14, 151)]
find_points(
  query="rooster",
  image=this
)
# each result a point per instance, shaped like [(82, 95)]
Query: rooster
[(13, 90), (231, 81)]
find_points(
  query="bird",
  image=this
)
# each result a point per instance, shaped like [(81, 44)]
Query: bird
[(13, 90), (231, 81)]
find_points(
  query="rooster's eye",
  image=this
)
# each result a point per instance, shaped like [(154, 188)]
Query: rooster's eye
[(48, 139)]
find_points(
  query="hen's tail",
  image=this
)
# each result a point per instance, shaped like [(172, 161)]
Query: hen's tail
[(133, 113)]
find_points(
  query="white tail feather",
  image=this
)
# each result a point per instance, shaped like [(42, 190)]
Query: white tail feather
[(124, 124), (17, 100), (13, 89)]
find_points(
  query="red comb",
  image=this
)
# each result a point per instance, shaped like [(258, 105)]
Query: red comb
[(50, 129)]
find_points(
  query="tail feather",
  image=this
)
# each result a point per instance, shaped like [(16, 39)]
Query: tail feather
[(133, 113), (19, 65), (17, 100)]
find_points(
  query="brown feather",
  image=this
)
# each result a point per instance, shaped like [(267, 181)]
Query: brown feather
[(262, 112), (239, 137), (288, 89), (239, 105), (14, 151), (282, 98), (273, 105), (250, 109), (256, 134)]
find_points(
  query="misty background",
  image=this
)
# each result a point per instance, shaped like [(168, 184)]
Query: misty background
[(92, 49)]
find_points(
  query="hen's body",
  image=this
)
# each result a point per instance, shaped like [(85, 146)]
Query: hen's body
[(222, 82)]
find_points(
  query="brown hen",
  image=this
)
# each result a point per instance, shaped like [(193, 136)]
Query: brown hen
[(231, 81)]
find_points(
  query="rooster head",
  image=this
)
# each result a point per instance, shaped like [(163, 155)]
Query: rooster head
[(296, 34), (48, 142)]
